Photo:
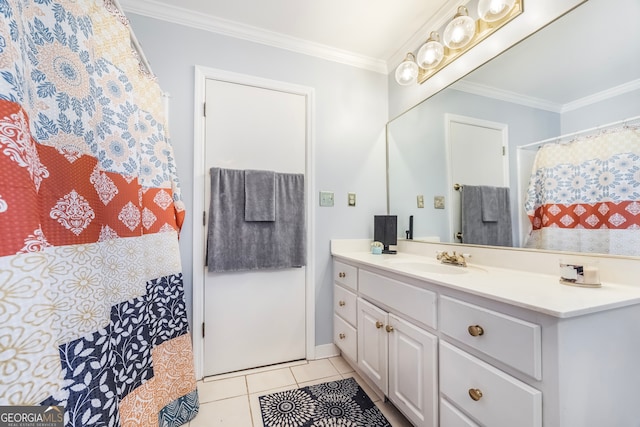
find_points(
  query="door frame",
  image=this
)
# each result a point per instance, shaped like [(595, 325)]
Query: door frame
[(199, 203), (454, 118)]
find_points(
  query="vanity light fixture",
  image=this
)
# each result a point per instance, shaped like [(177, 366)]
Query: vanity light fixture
[(431, 52), (407, 71), (460, 35), (494, 10), (460, 31)]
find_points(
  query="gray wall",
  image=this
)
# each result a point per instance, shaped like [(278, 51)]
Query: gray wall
[(350, 116)]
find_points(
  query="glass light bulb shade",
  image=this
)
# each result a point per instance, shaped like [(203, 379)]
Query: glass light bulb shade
[(460, 31), (430, 53), (407, 71), (494, 10)]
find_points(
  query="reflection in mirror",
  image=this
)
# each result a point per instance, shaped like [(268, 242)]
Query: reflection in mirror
[(580, 72)]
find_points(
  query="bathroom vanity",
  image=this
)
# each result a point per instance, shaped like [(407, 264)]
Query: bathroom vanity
[(488, 346)]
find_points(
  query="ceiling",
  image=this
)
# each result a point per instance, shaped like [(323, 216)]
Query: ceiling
[(373, 31), (371, 28), (601, 49)]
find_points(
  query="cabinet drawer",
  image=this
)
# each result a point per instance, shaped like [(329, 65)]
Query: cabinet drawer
[(344, 304), (504, 401), (450, 416), (344, 336), (412, 301), (507, 339), (345, 274)]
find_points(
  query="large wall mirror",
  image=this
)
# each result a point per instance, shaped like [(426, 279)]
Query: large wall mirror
[(580, 72)]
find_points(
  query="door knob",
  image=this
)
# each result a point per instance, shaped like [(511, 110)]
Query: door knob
[(379, 324), (389, 328)]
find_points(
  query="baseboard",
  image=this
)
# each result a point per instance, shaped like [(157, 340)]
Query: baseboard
[(326, 350)]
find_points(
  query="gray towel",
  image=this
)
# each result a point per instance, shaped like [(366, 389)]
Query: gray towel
[(474, 229), (489, 196), (234, 244), (259, 195)]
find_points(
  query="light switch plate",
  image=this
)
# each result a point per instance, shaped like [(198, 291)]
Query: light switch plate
[(326, 198), (438, 202), (351, 197), (420, 201)]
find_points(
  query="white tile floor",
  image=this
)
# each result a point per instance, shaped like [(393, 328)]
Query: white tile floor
[(231, 400)]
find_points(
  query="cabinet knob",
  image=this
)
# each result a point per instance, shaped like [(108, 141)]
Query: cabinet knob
[(475, 394), (379, 324), (342, 336), (342, 274), (389, 328), (475, 330), (341, 303)]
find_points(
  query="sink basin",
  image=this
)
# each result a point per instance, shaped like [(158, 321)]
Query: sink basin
[(428, 267)]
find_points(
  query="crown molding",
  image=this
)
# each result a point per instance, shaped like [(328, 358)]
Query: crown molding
[(188, 18), (601, 96), (505, 95), (516, 98), (437, 21)]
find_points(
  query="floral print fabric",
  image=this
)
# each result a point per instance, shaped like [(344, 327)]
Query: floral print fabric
[(92, 312), (585, 196)]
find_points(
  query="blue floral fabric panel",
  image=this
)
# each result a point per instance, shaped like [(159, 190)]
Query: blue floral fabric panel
[(88, 391)]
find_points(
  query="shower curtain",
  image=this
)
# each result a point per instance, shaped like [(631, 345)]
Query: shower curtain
[(584, 196), (92, 310)]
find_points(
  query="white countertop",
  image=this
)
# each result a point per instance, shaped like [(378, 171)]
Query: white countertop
[(537, 292)]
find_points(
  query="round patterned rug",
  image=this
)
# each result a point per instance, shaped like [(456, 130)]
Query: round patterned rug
[(332, 404)]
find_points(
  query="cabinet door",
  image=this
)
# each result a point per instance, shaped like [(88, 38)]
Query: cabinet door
[(413, 364), (373, 344)]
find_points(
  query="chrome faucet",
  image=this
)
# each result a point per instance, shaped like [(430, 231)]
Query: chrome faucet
[(454, 258)]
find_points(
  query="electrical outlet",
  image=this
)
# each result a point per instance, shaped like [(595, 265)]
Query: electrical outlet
[(351, 199), (438, 202), (326, 198), (420, 201)]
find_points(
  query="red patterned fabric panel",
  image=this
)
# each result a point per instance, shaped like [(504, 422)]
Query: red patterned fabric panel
[(621, 215), (49, 200)]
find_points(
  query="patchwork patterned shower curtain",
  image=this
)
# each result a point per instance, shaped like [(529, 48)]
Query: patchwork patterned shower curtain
[(584, 196), (92, 311)]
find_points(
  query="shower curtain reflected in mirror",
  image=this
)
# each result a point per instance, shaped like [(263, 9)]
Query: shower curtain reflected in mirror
[(584, 196)]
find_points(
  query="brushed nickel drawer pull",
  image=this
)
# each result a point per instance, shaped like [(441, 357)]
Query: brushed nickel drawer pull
[(342, 336), (342, 303), (475, 330), (342, 275), (475, 394)]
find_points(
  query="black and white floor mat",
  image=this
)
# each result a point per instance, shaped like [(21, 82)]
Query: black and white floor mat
[(332, 404)]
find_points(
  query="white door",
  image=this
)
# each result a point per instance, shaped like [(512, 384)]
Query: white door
[(373, 343), (478, 155), (413, 367), (254, 318)]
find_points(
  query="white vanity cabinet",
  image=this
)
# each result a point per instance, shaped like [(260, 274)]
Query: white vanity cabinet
[(494, 349), (400, 358), (394, 351), (484, 392), (344, 309)]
